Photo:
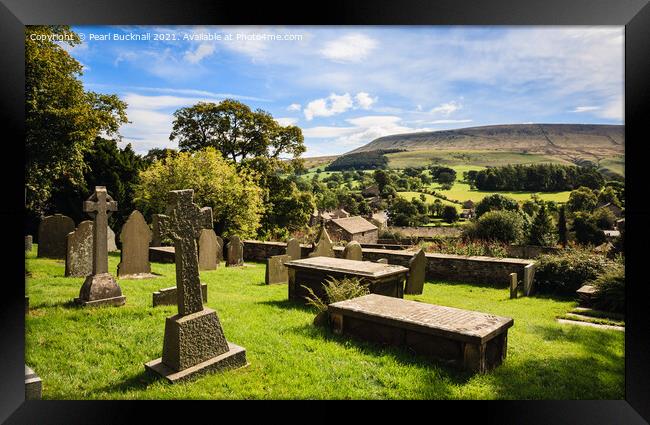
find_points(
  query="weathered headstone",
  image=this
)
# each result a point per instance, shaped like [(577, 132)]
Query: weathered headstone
[(513, 285), (168, 296), (194, 341), (79, 256), (28, 243), (353, 251), (135, 237), (276, 271), (100, 288), (111, 246), (52, 232), (156, 237), (208, 246), (235, 252), (220, 248), (293, 249), (417, 268), (529, 278), (323, 247)]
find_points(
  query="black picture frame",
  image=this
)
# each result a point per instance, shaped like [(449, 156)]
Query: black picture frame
[(633, 14)]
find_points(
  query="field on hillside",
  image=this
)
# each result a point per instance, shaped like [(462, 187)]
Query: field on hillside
[(98, 353), (422, 158)]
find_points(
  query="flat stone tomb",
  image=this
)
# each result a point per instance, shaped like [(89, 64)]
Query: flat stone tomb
[(33, 385), (312, 272), (468, 339), (162, 254)]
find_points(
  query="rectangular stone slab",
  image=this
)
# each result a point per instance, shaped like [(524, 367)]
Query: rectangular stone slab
[(167, 296), (162, 254), (234, 358), (449, 322), (340, 265), (33, 385)]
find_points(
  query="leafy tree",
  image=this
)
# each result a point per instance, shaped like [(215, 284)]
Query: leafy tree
[(608, 195), (562, 227), (604, 218), (586, 231), (159, 154), (382, 178), (495, 202), (61, 118), (404, 213), (542, 230), (233, 129), (446, 178), (450, 214), (582, 199), (500, 225), (235, 198)]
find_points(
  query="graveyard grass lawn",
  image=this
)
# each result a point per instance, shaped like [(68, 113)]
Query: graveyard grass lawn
[(98, 353)]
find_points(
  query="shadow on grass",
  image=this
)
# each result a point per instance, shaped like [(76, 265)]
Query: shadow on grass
[(289, 305), (465, 283), (138, 382), (403, 355)]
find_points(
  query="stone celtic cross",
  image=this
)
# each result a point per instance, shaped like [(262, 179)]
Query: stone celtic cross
[(183, 225), (99, 206)]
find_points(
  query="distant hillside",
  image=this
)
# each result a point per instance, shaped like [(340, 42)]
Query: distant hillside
[(569, 141)]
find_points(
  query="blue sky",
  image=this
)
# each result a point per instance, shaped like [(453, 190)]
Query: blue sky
[(347, 85)]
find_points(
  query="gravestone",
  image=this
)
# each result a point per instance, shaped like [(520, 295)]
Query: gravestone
[(111, 246), (168, 296), (28, 243), (194, 341), (235, 252), (383, 261), (220, 248), (208, 246), (353, 251), (52, 232), (135, 237), (156, 238), (417, 269), (276, 271), (293, 249), (323, 247), (79, 256), (100, 288), (513, 285)]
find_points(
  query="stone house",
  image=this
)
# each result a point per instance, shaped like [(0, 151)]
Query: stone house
[(370, 191), (352, 229)]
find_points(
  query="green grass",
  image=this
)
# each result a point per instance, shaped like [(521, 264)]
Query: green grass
[(430, 199), (462, 192), (98, 353)]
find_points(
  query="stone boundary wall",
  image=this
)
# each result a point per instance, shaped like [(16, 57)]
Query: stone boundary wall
[(471, 269), (530, 251)]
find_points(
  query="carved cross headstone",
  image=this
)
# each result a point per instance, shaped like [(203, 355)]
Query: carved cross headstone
[(100, 287), (183, 225), (99, 206)]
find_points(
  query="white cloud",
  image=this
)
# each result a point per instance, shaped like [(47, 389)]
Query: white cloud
[(202, 51), (137, 101), (294, 107), (448, 121), (349, 48), (447, 108), (615, 110), (287, 121), (364, 100), (326, 107), (580, 109), (321, 132)]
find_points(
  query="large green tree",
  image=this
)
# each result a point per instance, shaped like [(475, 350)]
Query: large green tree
[(61, 118)]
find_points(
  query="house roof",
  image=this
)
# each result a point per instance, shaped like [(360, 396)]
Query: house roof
[(354, 224)]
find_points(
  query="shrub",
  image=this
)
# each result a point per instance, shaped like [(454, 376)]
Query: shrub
[(335, 290), (495, 202), (542, 230), (604, 218), (501, 226), (566, 272), (586, 231), (610, 290), (449, 213)]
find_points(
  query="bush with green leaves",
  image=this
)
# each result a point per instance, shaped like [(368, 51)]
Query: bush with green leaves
[(495, 202), (586, 230), (335, 290), (604, 218), (567, 271), (500, 226), (610, 290), (542, 229)]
